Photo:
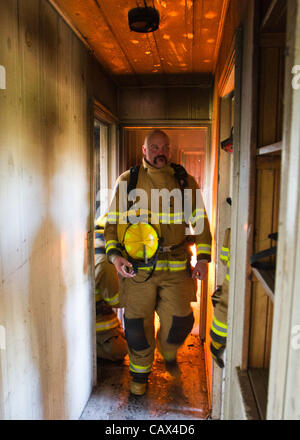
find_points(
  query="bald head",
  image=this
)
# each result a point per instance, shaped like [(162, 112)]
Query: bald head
[(156, 148)]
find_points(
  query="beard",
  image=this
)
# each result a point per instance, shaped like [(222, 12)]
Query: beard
[(160, 157)]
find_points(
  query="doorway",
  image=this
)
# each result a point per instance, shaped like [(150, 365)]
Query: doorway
[(167, 397), (101, 167)]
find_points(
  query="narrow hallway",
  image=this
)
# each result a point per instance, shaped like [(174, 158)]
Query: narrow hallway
[(158, 116), (167, 397)]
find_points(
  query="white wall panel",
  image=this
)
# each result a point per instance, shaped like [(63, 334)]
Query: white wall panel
[(46, 297)]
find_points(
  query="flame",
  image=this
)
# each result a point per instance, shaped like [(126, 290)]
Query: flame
[(194, 255)]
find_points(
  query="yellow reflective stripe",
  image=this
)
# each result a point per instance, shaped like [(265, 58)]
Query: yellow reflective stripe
[(171, 214), (167, 265), (218, 332), (159, 217), (197, 215), (177, 265), (205, 245), (112, 301), (203, 248), (160, 265), (111, 244), (198, 211), (223, 258), (156, 268), (139, 368), (171, 218), (107, 325), (224, 254), (113, 216), (219, 323), (219, 328)]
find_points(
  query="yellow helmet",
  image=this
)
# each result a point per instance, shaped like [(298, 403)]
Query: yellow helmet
[(140, 240)]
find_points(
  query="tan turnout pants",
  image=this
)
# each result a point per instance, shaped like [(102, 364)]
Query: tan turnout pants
[(169, 294)]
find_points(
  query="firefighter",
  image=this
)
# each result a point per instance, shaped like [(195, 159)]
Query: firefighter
[(218, 330), (152, 257), (111, 343)]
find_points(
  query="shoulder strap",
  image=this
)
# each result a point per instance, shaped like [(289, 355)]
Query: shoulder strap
[(134, 174), (180, 175)]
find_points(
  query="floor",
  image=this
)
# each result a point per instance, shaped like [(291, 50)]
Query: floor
[(169, 397)]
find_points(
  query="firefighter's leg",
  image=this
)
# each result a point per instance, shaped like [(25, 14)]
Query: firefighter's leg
[(140, 299), (106, 282), (111, 344), (218, 330), (176, 292)]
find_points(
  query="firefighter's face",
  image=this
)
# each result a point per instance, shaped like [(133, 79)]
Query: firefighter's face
[(157, 150)]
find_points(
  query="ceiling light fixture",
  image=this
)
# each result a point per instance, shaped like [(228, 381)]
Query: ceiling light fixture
[(143, 20)]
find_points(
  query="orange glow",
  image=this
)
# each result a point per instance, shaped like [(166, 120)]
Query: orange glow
[(187, 3), (105, 34), (210, 15)]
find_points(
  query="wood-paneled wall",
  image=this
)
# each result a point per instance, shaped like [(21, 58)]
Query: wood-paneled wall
[(267, 182), (266, 222), (46, 296), (284, 383), (165, 103)]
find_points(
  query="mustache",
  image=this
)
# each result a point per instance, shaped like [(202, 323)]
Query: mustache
[(161, 156)]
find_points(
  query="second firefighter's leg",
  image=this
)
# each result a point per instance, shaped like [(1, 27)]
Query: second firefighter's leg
[(175, 312), (139, 325)]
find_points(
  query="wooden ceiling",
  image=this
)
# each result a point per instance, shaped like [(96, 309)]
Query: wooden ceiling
[(186, 43)]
